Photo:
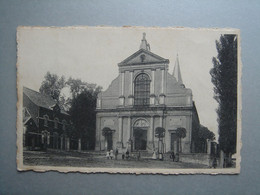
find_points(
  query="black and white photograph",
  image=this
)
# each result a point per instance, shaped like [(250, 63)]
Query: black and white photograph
[(140, 100)]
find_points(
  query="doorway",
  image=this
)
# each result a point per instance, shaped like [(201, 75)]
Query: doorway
[(140, 139), (109, 139)]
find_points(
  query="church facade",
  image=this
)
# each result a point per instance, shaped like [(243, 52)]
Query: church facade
[(143, 98)]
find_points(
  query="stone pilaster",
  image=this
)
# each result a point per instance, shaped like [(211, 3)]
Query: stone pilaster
[(151, 135), (131, 97), (152, 96), (162, 95), (122, 97), (162, 82), (120, 132)]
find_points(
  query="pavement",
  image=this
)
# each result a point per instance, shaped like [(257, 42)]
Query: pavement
[(95, 159)]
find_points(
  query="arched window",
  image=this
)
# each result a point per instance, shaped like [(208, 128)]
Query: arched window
[(142, 90)]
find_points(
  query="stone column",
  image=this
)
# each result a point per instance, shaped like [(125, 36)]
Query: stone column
[(162, 95), (129, 136), (131, 96), (79, 144), (151, 134), (122, 83), (162, 82), (131, 82), (208, 146), (161, 125), (152, 96), (152, 82), (122, 97), (120, 132)]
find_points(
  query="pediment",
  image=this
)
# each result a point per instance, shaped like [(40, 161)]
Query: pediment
[(143, 56)]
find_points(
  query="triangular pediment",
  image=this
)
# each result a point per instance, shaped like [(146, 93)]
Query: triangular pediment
[(143, 56)]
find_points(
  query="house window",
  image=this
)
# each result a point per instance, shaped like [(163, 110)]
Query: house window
[(64, 125), (56, 123), (46, 119), (142, 90)]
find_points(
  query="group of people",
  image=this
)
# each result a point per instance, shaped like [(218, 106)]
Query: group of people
[(125, 155), (175, 158), (110, 154)]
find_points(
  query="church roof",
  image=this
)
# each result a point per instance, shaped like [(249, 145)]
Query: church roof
[(144, 44), (177, 71), (143, 56)]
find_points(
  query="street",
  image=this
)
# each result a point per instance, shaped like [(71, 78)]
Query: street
[(95, 159)]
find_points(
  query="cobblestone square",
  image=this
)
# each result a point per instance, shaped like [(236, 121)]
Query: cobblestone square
[(92, 159)]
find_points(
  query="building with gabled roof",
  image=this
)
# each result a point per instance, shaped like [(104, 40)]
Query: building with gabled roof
[(143, 98), (46, 124)]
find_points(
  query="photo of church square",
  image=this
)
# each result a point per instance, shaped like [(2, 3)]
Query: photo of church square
[(150, 117)]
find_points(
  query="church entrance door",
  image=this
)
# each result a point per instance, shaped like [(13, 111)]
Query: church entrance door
[(140, 139), (109, 141)]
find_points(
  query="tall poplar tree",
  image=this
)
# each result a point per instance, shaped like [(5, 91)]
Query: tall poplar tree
[(224, 78)]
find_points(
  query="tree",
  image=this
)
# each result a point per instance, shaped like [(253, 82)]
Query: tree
[(200, 137), (106, 131), (181, 133), (160, 133), (80, 103), (52, 86), (205, 133), (83, 116), (224, 78)]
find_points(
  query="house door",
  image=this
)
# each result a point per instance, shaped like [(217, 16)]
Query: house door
[(109, 141)]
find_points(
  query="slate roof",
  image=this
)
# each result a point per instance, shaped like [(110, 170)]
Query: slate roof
[(41, 100)]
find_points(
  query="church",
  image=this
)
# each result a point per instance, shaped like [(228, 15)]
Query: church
[(143, 98)]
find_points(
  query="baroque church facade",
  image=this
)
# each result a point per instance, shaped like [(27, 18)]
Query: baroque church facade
[(142, 98)]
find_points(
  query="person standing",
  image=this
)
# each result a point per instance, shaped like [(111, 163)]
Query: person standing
[(154, 155), (138, 155), (107, 155), (172, 156), (111, 154), (116, 153), (214, 162), (127, 154)]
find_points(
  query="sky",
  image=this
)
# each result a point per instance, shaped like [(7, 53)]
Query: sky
[(92, 54)]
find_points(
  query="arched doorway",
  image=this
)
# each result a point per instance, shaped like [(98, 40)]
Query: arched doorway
[(140, 134)]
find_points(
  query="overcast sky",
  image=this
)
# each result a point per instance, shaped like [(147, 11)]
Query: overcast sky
[(92, 54)]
